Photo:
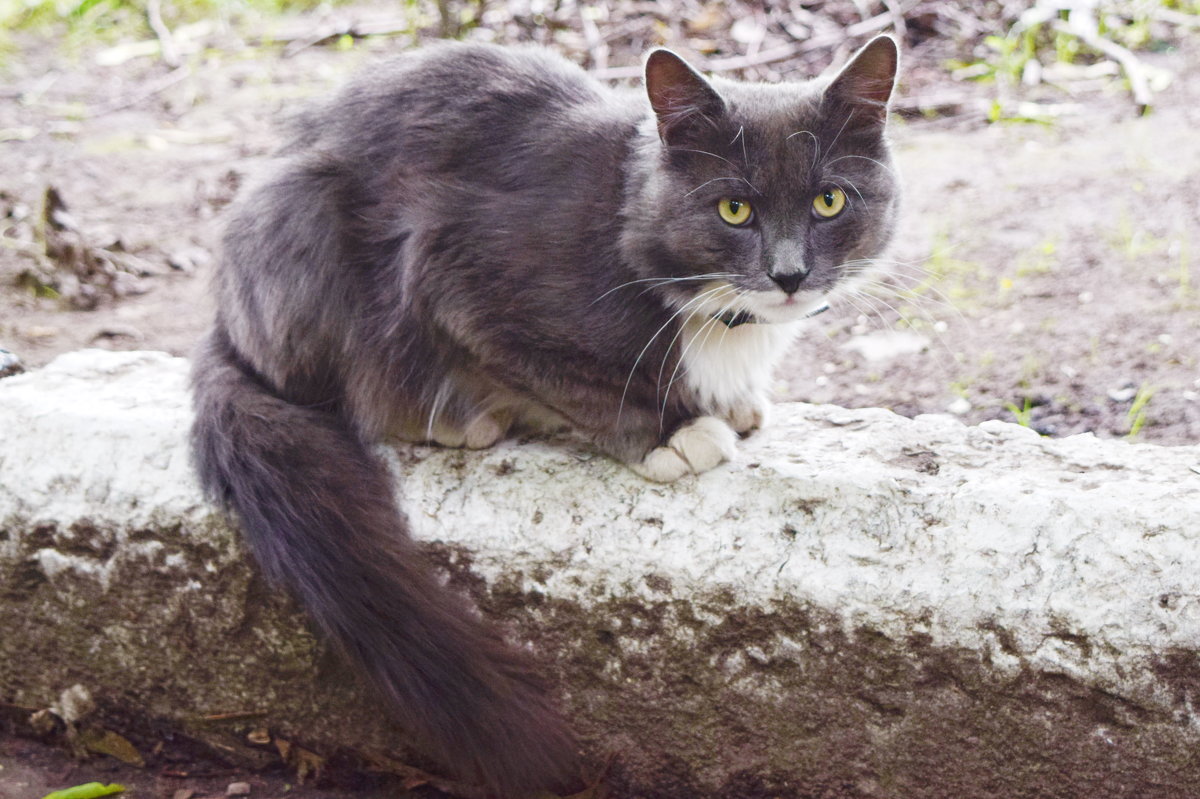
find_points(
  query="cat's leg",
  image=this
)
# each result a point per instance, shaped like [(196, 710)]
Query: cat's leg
[(696, 447)]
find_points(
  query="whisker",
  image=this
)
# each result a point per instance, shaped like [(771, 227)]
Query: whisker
[(699, 298), (704, 152), (833, 143), (663, 281), (853, 188), (816, 142), (706, 329), (705, 296), (875, 161), (714, 180)]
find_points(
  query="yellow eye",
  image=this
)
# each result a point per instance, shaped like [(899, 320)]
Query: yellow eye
[(829, 203), (735, 212)]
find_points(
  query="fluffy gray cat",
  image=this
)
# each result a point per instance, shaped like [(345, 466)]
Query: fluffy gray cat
[(470, 240)]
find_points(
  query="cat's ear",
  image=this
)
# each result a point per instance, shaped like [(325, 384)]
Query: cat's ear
[(680, 96), (864, 86)]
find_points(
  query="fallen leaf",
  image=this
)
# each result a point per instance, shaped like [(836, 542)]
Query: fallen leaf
[(90, 790), (305, 763), (106, 742)]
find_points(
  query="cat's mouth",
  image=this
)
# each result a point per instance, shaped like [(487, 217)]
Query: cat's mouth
[(791, 308), (736, 307)]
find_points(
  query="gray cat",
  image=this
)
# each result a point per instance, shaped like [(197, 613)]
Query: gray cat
[(471, 240)]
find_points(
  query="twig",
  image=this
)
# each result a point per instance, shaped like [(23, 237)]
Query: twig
[(160, 85), (1138, 84), (897, 12), (297, 42), (597, 46), (1176, 17), (780, 53), (166, 42)]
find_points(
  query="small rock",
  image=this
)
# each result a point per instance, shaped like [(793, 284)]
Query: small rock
[(118, 331), (884, 345), (1124, 392), (747, 30), (238, 789), (75, 704), (41, 332), (187, 260), (960, 406), (260, 736), (10, 364)]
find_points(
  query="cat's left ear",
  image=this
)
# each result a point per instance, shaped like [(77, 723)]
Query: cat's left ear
[(865, 84), (680, 96)]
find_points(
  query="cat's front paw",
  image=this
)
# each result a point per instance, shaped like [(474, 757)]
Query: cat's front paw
[(696, 447), (750, 414), (480, 433)]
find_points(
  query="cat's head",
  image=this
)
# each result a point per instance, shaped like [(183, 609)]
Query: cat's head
[(765, 199)]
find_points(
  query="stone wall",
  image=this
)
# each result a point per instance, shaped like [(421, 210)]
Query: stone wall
[(862, 605)]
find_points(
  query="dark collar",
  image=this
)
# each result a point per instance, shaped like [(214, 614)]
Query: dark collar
[(731, 319)]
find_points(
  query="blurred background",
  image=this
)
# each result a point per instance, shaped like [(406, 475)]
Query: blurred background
[(1047, 271)]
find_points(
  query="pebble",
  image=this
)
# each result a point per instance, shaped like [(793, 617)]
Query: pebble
[(959, 406), (1124, 392), (10, 364), (883, 345), (238, 789)]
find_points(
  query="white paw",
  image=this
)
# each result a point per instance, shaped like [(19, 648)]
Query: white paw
[(485, 430), (447, 435), (696, 447), (480, 433), (751, 414), (662, 465)]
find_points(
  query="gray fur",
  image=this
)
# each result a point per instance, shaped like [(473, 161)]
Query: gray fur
[(470, 238)]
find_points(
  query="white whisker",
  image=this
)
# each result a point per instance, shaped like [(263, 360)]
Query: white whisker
[(663, 281), (714, 180), (875, 161), (698, 299)]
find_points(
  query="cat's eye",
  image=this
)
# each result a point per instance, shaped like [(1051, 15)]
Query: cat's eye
[(829, 203), (734, 211)]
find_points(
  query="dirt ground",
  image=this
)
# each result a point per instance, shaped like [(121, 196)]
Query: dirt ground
[(1051, 269), (1047, 273)]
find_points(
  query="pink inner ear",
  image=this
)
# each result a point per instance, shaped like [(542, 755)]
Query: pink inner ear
[(869, 77), (672, 85)]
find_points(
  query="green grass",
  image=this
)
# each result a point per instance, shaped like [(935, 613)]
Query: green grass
[(1137, 411), (82, 22), (1021, 415), (1042, 39)]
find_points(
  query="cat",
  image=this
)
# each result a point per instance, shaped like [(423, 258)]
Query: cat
[(471, 240)]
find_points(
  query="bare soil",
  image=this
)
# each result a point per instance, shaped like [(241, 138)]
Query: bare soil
[(1045, 273)]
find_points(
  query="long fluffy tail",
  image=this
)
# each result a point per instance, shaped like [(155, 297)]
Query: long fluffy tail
[(317, 510)]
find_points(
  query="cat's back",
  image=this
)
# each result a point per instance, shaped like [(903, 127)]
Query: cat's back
[(456, 98)]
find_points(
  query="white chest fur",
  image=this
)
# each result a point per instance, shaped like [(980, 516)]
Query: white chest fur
[(727, 368)]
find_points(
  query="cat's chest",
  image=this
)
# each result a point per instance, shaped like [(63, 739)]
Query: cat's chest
[(725, 367)]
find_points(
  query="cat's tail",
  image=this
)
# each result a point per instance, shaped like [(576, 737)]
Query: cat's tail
[(317, 510)]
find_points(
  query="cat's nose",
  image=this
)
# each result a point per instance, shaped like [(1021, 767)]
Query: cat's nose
[(789, 281)]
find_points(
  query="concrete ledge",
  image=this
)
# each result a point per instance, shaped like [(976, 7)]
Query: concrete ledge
[(862, 605)]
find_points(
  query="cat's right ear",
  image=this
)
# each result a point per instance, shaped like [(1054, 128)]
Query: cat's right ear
[(680, 96), (864, 86)]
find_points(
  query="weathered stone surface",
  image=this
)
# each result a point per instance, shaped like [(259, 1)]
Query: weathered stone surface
[(861, 606)]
